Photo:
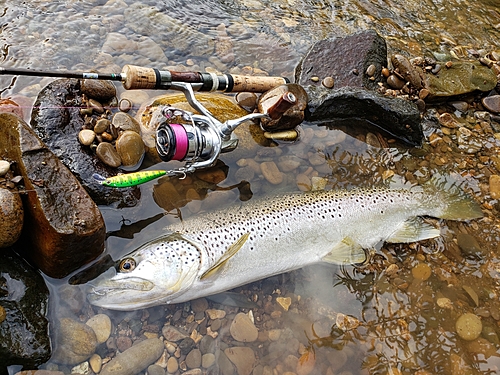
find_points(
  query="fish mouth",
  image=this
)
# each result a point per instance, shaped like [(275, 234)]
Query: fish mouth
[(115, 292)]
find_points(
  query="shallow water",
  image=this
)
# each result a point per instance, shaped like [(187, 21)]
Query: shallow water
[(397, 325)]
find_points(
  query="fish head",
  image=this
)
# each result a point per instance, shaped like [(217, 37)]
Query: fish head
[(151, 275)]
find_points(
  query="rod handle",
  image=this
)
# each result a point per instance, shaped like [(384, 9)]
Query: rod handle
[(256, 83)]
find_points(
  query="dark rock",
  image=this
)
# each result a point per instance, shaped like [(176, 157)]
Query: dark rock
[(57, 121), (341, 58), (398, 117), (409, 72), (11, 217), (24, 338), (460, 78), (63, 227)]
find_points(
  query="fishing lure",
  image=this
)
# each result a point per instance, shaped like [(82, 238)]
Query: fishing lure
[(129, 179)]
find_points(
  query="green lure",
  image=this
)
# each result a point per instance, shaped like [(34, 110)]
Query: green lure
[(129, 179)]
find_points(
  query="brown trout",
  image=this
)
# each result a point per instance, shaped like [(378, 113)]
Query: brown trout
[(221, 250)]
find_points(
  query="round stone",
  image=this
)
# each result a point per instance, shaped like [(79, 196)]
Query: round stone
[(4, 167), (125, 105), (76, 342), (243, 329), (328, 82), (200, 304), (395, 82), (193, 359), (421, 271), (98, 89), (172, 365), (101, 324), (370, 71), (247, 100), (96, 106), (123, 121), (101, 125), (469, 326), (86, 137), (386, 72), (130, 147), (207, 360), (123, 343), (11, 217), (492, 103), (271, 172), (95, 363), (108, 155)]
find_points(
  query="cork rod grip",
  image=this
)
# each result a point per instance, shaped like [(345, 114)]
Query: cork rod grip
[(256, 83), (138, 77)]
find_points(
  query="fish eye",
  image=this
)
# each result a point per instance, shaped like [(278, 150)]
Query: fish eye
[(127, 265)]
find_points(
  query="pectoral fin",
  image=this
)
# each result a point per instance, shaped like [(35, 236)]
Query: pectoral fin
[(346, 251), (413, 230), (233, 249)]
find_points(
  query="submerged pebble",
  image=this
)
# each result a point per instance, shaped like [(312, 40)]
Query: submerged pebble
[(243, 329), (4, 167), (469, 326), (101, 324)]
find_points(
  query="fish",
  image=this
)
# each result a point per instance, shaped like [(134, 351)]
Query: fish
[(217, 251)]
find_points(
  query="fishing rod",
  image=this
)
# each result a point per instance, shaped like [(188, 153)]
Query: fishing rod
[(196, 139), (138, 77)]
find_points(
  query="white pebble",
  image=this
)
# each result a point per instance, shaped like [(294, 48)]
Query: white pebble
[(4, 167)]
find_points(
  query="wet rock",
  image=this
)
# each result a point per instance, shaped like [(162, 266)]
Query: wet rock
[(106, 153), (172, 365), (460, 78), (74, 342), (4, 167), (86, 137), (340, 57), (492, 103), (123, 122), (494, 184), (101, 324), (469, 326), (243, 329), (125, 105), (11, 217), (156, 370), (271, 172), (173, 334), (199, 305), (95, 362), (409, 72), (57, 121), (123, 343), (247, 100), (63, 227), (101, 126), (243, 358), (398, 117), (10, 106), (207, 360), (130, 148), (134, 360), (98, 89), (289, 118), (395, 82), (24, 338), (193, 359), (421, 271)]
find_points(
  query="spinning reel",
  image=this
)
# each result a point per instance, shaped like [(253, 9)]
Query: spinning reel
[(196, 139)]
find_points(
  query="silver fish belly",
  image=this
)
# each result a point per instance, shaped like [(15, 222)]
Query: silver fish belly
[(221, 250)]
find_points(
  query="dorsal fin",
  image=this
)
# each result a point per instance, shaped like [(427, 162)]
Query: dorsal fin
[(231, 250)]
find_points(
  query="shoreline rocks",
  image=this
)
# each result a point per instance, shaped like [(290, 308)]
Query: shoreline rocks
[(64, 229)]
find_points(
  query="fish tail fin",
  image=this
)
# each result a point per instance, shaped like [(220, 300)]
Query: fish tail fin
[(454, 203)]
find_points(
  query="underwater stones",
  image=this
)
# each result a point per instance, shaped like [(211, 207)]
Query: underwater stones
[(75, 342), (11, 217), (243, 329), (398, 117), (460, 78), (56, 119), (24, 338), (469, 326), (135, 359), (242, 357), (101, 324), (63, 227), (341, 58)]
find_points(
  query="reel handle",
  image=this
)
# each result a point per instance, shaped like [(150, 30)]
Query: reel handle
[(138, 77)]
